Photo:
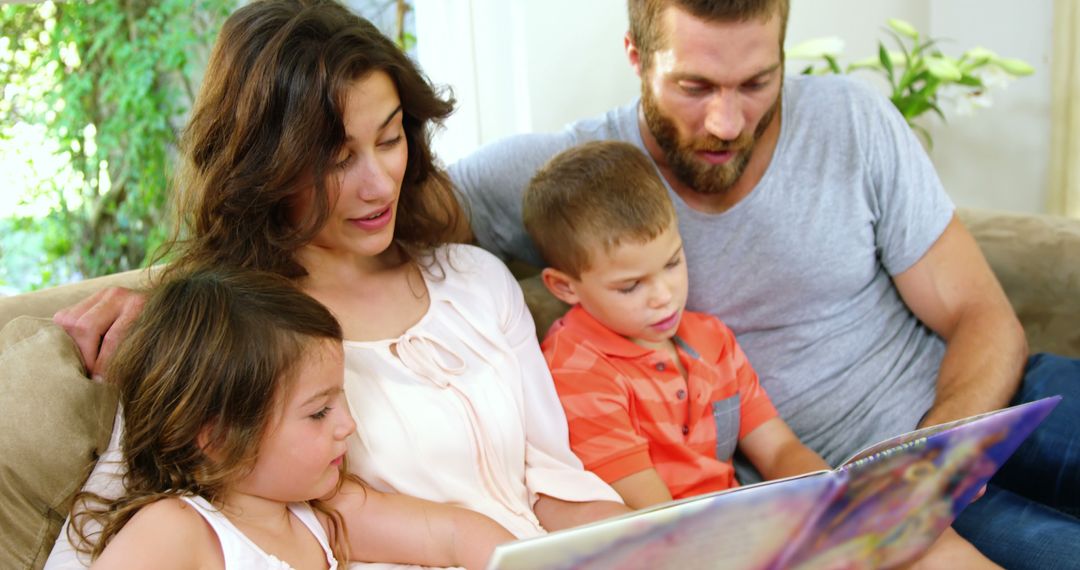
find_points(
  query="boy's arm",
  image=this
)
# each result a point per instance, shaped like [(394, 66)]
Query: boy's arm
[(777, 453), (642, 489), (386, 527)]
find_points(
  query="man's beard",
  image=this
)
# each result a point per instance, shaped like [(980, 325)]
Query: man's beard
[(682, 156)]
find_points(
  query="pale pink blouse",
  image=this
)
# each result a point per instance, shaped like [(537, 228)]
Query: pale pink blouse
[(461, 408)]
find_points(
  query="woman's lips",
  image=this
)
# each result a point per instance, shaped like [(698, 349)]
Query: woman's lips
[(370, 224)]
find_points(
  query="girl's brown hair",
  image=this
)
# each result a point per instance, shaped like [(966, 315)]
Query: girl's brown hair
[(213, 353), (267, 126)]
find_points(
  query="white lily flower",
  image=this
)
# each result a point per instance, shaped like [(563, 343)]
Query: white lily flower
[(816, 48)]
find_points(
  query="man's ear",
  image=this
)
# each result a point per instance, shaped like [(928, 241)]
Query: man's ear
[(632, 53), (560, 284)]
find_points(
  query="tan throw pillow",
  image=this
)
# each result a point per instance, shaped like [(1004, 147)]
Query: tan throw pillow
[(54, 422)]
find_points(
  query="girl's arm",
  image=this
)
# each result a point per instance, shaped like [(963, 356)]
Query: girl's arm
[(385, 527), (776, 452), (166, 534), (556, 514)]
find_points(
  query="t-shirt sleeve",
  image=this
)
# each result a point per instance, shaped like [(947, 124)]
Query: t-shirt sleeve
[(551, 468), (597, 406), (910, 206), (491, 182)]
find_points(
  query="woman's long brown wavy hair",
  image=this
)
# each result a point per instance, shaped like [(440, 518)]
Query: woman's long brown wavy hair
[(214, 352), (267, 126)]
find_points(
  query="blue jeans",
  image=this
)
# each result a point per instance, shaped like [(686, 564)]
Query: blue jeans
[(1030, 514)]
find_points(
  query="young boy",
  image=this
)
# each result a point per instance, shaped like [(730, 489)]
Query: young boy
[(656, 397)]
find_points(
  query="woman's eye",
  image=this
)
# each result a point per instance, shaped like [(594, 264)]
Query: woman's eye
[(392, 142), (346, 161)]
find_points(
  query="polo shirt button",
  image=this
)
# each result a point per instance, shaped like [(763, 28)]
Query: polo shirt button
[(685, 429), (660, 366), (681, 394)]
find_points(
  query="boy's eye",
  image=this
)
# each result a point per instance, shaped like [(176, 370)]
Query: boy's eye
[(673, 263), (628, 289)]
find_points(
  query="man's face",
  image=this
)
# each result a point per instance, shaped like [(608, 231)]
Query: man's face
[(709, 94)]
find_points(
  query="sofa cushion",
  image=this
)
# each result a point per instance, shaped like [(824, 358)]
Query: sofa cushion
[(1037, 261), (54, 422)]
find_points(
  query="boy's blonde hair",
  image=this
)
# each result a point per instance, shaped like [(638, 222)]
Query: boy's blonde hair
[(598, 194)]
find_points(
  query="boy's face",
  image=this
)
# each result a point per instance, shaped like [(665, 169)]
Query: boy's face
[(637, 290)]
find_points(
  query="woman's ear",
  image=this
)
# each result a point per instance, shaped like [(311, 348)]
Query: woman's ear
[(560, 284)]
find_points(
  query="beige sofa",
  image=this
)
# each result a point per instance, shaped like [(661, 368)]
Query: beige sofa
[(53, 421)]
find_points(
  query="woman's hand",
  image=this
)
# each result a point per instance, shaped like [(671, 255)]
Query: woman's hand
[(99, 322)]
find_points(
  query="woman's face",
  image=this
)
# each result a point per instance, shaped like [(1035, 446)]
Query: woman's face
[(366, 179)]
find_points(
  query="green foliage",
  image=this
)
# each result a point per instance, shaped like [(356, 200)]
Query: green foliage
[(918, 74), (111, 82)]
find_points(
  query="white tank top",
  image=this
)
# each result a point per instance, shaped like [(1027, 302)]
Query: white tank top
[(241, 553)]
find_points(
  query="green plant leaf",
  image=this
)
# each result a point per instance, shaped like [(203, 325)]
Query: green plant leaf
[(1013, 66), (886, 62), (943, 68), (816, 48), (901, 27)]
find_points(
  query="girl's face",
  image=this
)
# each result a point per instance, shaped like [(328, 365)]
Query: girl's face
[(366, 179), (302, 450)]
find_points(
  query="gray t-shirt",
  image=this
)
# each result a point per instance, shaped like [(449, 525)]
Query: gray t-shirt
[(801, 268)]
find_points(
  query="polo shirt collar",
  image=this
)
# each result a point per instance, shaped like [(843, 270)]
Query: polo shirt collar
[(603, 338)]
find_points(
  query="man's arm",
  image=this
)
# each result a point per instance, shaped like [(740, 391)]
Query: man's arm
[(952, 290)]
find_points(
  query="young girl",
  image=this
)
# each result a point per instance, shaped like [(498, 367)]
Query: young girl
[(231, 384)]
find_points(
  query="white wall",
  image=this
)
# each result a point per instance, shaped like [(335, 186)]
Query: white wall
[(523, 65)]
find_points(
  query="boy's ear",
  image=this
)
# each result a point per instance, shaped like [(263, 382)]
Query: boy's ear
[(560, 285)]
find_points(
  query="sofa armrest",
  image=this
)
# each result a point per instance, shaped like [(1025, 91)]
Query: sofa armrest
[(44, 303)]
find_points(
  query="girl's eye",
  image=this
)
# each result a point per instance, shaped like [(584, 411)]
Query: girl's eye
[(320, 414)]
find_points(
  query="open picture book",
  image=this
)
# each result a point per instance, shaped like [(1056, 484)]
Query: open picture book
[(882, 507)]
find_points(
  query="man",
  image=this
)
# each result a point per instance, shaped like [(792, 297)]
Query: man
[(816, 228)]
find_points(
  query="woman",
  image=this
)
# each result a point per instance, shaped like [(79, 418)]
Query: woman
[(308, 155)]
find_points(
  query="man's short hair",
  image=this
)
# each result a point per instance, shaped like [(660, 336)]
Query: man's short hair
[(596, 195), (646, 30)]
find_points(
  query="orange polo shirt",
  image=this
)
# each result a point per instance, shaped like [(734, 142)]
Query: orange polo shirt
[(629, 409)]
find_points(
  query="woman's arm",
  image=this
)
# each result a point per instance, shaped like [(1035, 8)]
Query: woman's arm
[(99, 322), (386, 527)]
